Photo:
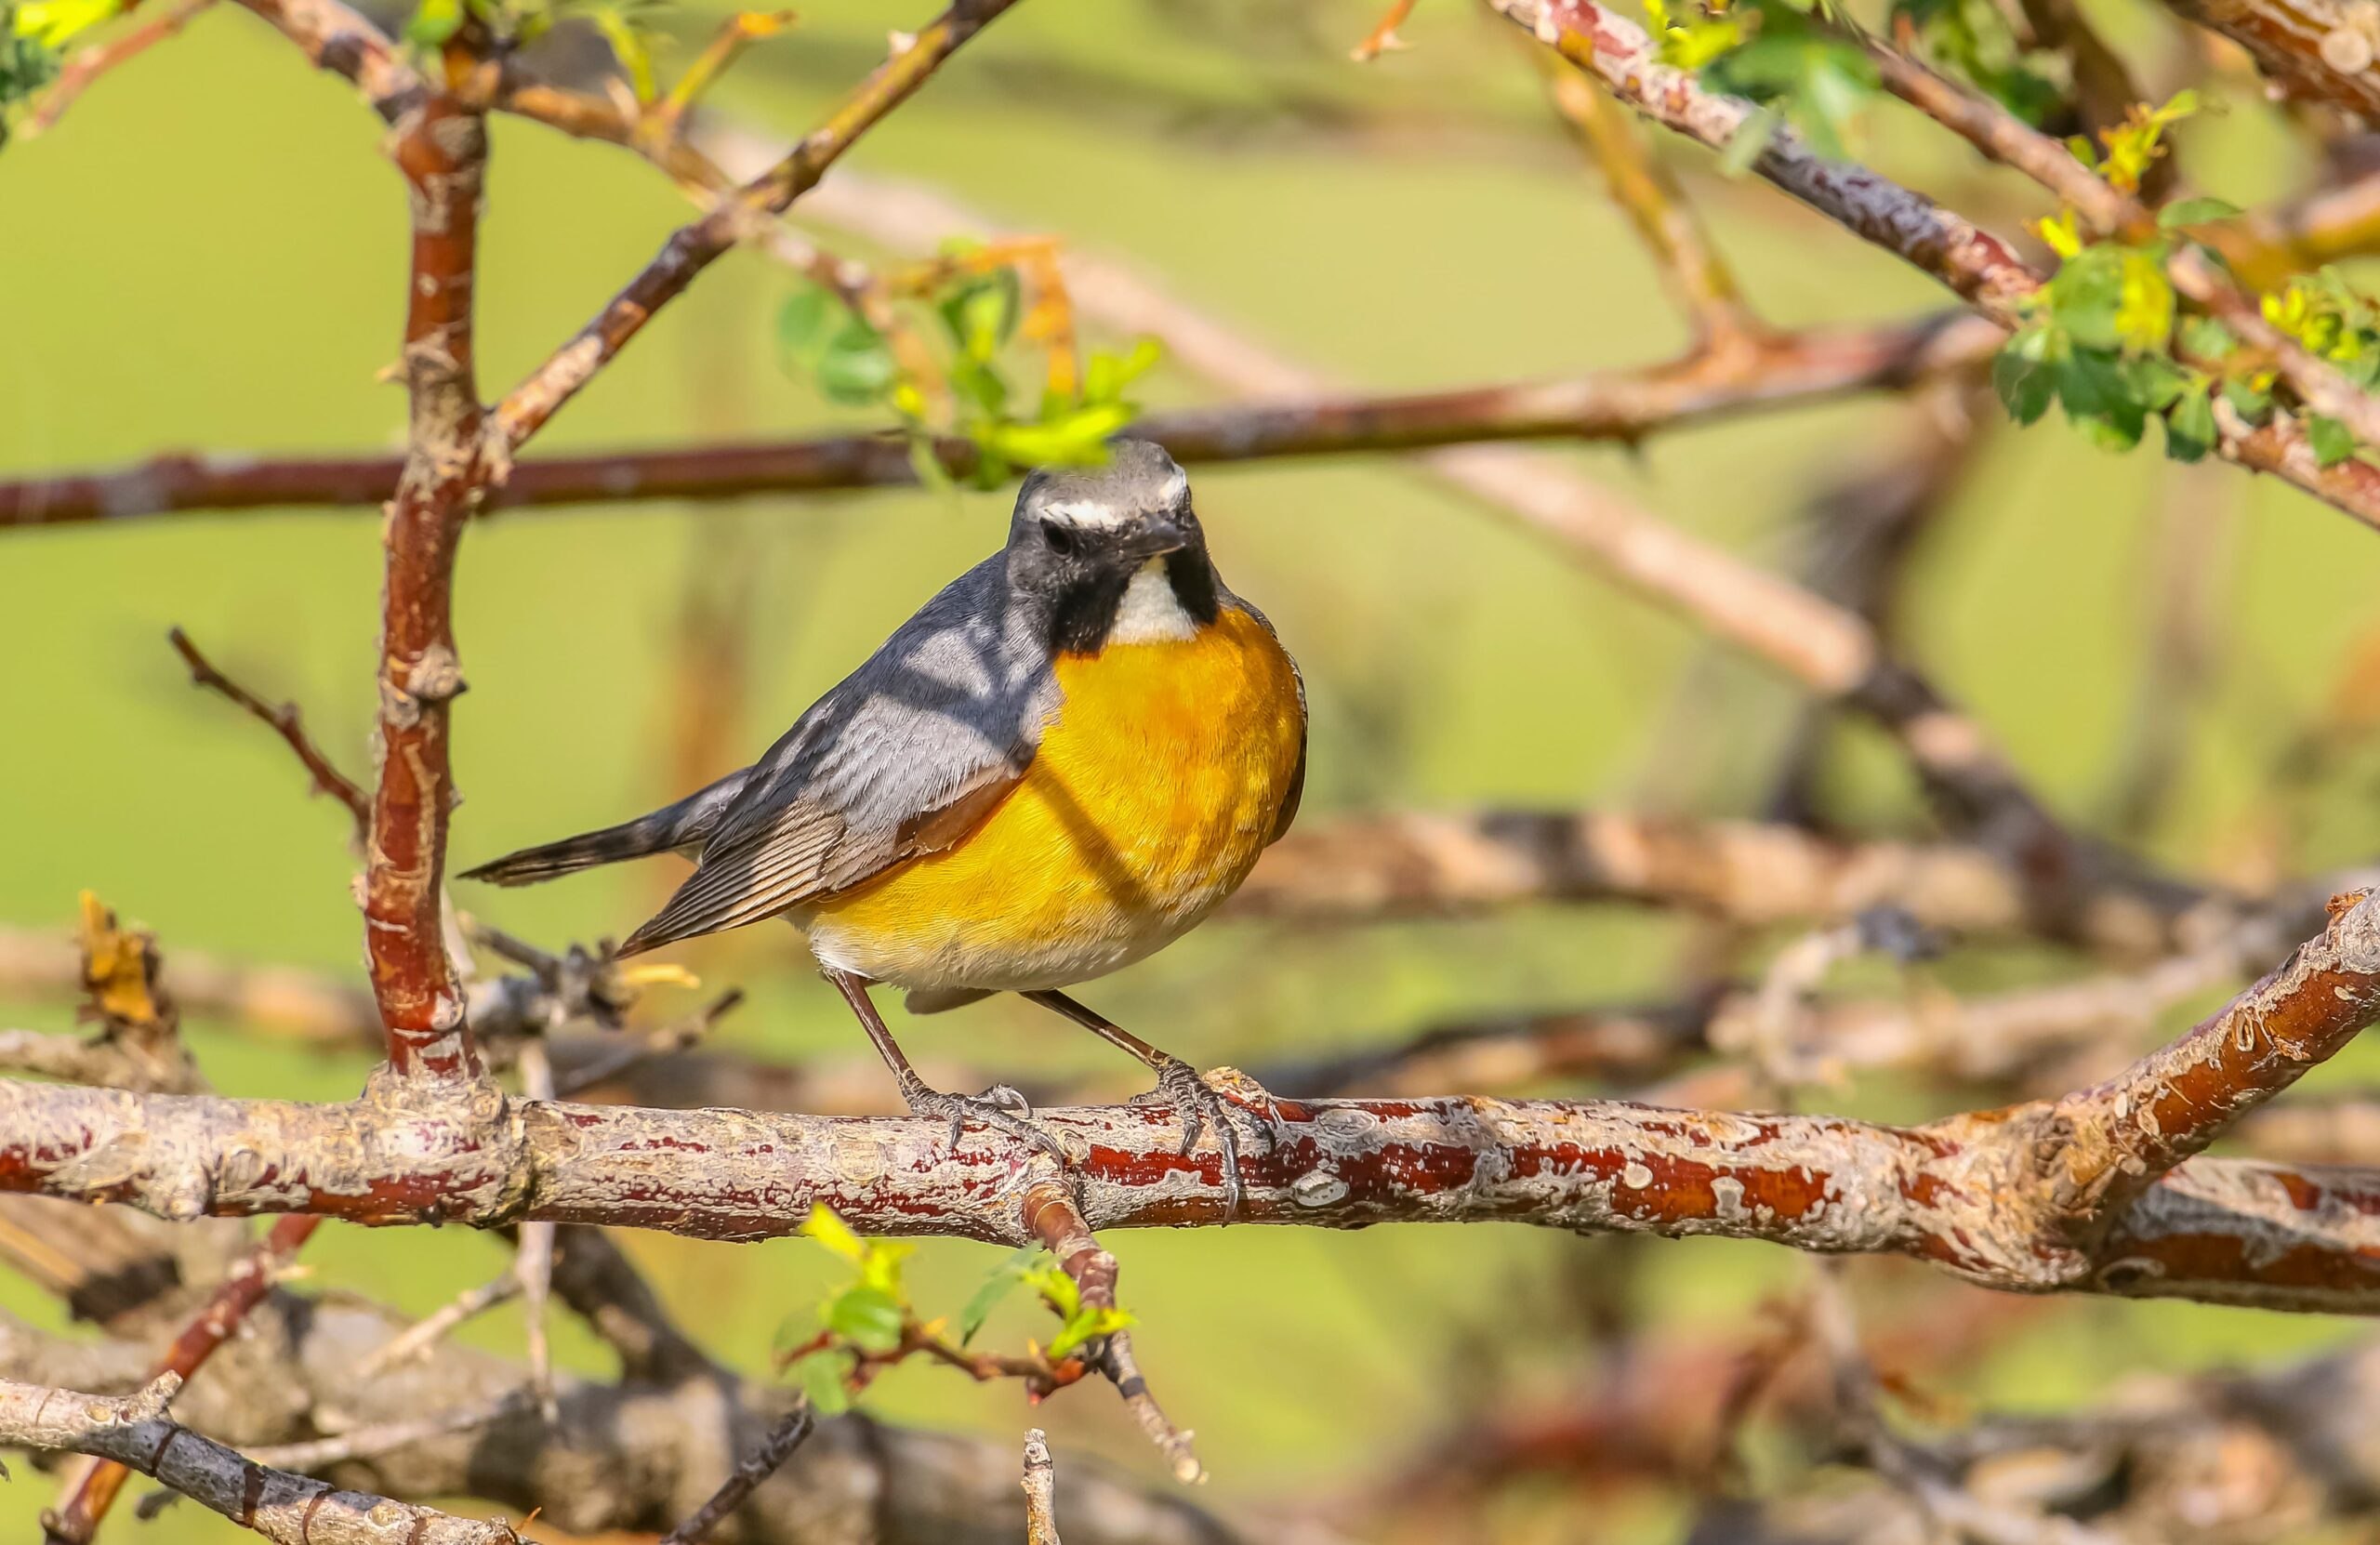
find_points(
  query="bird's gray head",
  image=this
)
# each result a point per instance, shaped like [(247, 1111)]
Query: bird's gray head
[(1112, 554)]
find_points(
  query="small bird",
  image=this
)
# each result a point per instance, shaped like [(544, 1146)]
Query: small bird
[(1064, 761)]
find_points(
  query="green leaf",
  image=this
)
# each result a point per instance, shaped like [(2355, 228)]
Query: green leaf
[(629, 45), (1086, 1324), (833, 1233), (1074, 439), (1057, 1289), (857, 367), (2100, 402), (822, 1380), (2026, 386), (806, 320), (2206, 338), (2250, 402), (2189, 428), (868, 1317), (982, 314), (2331, 441), (433, 23), (2198, 211), (1003, 1281)]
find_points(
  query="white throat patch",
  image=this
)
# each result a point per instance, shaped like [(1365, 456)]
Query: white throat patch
[(1150, 612)]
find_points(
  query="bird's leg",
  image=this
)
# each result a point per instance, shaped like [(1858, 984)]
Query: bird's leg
[(999, 1106), (1194, 1101)]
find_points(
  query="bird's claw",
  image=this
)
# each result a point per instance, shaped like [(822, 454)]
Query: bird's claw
[(1199, 1106), (999, 1107)]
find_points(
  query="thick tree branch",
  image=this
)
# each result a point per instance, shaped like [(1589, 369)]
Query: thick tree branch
[(2053, 1195), (442, 150)]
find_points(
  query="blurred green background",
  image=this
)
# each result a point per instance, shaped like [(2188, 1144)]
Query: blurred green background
[(208, 253)]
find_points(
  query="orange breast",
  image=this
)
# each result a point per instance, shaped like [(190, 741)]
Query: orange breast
[(1146, 805)]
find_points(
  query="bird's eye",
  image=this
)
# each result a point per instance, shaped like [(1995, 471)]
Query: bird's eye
[(1061, 539)]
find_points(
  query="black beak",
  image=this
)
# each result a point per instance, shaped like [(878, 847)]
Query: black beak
[(1156, 537)]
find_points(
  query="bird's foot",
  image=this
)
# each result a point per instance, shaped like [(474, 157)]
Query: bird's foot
[(1199, 1106), (999, 1107)]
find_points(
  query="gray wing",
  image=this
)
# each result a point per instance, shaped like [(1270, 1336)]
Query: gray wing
[(904, 757)]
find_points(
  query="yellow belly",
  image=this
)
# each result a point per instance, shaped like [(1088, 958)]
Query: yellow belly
[(1147, 803)]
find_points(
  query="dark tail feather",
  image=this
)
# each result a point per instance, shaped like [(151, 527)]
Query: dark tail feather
[(687, 824)]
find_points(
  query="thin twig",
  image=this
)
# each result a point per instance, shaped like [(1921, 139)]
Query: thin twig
[(286, 722), (372, 1442), (915, 58), (417, 1339), (766, 1460), (88, 64)]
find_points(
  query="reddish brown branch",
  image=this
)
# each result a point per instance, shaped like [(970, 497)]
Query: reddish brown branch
[(1621, 404), (286, 722), (90, 63), (2315, 51), (2038, 1197), (696, 246), (442, 150), (94, 1489)]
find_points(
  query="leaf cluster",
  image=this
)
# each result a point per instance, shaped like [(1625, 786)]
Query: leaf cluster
[(958, 375), (867, 1321)]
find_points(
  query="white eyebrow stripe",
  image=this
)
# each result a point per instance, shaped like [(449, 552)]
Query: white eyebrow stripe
[(1084, 513), (1176, 488)]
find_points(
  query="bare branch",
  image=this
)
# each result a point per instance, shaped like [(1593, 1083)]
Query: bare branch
[(286, 722), (1623, 405), (1040, 1482), (763, 1461), (89, 64), (94, 1489), (1657, 206), (290, 1510), (1414, 864), (442, 150), (694, 247), (340, 40)]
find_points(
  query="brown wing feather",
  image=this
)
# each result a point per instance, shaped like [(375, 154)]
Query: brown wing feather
[(801, 857)]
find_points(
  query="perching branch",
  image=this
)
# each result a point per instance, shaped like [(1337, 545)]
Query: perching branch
[(2064, 1194)]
